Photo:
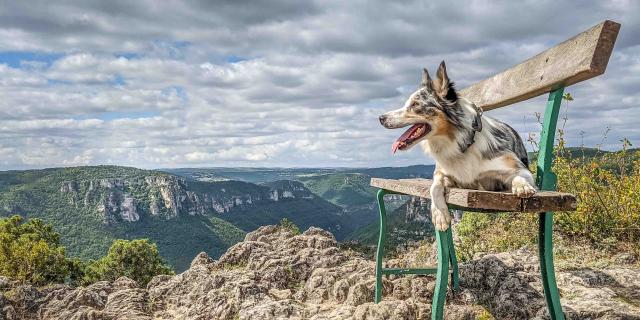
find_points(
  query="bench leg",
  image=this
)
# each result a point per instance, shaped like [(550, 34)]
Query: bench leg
[(545, 249), (381, 238), (446, 257), (546, 180), (440, 294), (454, 261)]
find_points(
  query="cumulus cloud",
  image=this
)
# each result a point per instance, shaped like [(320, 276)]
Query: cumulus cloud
[(275, 83)]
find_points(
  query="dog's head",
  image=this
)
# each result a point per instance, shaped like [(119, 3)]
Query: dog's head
[(431, 111)]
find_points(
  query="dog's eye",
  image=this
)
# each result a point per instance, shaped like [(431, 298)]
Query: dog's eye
[(430, 111)]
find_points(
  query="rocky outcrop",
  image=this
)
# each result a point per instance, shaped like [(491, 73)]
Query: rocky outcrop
[(127, 200), (117, 204), (169, 194), (418, 210), (274, 274), (586, 293), (109, 198)]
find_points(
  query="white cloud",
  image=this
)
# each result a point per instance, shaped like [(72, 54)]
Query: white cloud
[(275, 83)]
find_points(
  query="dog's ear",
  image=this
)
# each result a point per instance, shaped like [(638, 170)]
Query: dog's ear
[(443, 86), (426, 80)]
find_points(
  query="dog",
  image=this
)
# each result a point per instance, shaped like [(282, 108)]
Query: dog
[(471, 150)]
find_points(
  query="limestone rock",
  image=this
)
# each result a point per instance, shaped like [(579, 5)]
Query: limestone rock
[(118, 200), (202, 259), (275, 274)]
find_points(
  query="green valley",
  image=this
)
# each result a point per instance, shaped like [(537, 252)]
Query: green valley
[(186, 211)]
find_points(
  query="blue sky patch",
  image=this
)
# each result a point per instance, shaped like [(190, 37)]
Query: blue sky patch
[(119, 80), (129, 55), (235, 59), (14, 58), (181, 92), (171, 48)]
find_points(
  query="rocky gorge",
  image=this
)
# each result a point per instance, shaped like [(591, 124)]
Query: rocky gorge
[(126, 200), (277, 274), (91, 206)]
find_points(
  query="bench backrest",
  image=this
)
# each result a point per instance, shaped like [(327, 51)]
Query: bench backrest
[(580, 58)]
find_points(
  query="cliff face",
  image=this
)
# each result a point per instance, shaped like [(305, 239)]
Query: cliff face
[(418, 210), (127, 200), (274, 274)]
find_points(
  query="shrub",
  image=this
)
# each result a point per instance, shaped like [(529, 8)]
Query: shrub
[(288, 225), (608, 190), (607, 186), (30, 252), (136, 259)]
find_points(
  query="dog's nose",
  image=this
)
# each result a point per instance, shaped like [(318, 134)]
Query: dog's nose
[(382, 119)]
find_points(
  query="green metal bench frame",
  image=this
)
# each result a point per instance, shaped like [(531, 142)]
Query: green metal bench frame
[(566, 67)]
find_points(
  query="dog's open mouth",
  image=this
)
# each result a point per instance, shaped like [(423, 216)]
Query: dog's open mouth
[(414, 133)]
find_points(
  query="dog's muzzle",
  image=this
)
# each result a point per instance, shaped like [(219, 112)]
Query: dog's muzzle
[(389, 123)]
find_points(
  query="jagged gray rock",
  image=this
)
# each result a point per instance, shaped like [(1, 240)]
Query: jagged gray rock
[(274, 274)]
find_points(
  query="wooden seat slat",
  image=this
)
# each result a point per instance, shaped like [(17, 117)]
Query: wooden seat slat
[(483, 201)]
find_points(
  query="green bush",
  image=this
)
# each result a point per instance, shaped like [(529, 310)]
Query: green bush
[(608, 190), (607, 186), (288, 225), (30, 252), (608, 207), (136, 259)]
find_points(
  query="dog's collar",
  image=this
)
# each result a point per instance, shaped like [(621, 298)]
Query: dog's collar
[(477, 121), (476, 125)]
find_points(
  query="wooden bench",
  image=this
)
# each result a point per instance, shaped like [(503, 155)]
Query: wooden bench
[(580, 58)]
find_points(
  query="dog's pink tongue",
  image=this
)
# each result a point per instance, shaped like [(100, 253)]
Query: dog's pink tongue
[(396, 145)]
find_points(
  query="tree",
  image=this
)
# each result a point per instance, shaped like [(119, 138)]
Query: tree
[(31, 252), (136, 259), (288, 225)]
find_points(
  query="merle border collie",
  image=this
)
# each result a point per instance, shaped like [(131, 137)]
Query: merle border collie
[(471, 150)]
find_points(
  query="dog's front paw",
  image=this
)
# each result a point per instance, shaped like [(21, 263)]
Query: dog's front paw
[(440, 217), (522, 188)]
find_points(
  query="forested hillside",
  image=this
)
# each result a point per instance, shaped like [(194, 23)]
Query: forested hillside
[(193, 211), (92, 206)]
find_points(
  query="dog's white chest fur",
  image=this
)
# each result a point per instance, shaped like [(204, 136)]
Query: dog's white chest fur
[(465, 168)]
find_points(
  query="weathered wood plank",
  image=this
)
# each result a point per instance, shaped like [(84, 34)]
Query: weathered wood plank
[(580, 58), (486, 201)]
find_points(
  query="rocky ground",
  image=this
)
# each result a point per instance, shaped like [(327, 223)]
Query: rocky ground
[(274, 274)]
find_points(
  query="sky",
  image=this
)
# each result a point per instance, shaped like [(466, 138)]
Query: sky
[(277, 83)]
